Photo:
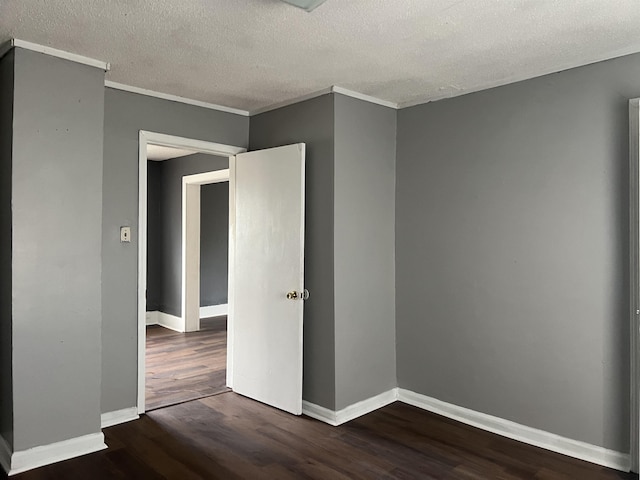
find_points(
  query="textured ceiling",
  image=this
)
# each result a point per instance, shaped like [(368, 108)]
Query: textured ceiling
[(249, 54)]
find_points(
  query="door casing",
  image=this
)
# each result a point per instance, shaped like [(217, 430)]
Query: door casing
[(212, 148)]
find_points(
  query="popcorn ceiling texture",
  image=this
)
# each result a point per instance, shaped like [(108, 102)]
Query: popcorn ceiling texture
[(249, 54)]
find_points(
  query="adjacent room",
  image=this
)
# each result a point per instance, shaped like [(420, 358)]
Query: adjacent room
[(185, 364), (320, 239)]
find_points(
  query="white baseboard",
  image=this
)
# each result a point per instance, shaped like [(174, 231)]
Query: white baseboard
[(152, 318), (117, 417), (319, 413), (214, 311), (5, 455), (506, 428), (351, 412), (521, 433), (55, 452), (171, 322)]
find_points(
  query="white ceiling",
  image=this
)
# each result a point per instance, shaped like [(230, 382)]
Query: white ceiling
[(249, 54)]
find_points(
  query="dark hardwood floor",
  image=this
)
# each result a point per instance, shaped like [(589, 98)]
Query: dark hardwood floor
[(185, 366), (230, 437)]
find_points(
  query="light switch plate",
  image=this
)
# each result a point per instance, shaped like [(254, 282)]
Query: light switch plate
[(125, 234)]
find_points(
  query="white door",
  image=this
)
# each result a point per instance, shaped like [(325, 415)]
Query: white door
[(268, 264)]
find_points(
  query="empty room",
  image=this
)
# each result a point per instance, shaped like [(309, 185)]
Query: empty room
[(282, 239)]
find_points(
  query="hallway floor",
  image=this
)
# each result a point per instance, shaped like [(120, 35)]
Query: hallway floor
[(185, 366)]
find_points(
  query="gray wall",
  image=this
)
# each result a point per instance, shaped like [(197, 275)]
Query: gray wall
[(6, 134), (57, 217), (512, 251), (154, 236), (125, 115), (171, 210), (364, 249), (311, 122), (214, 244)]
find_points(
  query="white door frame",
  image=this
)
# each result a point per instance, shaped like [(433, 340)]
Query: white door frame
[(634, 281), (191, 244), (146, 137)]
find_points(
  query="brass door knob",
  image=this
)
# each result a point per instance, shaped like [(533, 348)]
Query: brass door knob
[(293, 295)]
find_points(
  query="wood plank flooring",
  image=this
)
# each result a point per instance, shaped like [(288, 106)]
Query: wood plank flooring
[(230, 437), (185, 366)]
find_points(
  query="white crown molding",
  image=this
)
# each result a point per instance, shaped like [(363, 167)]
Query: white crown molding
[(516, 431), (117, 417), (53, 52), (56, 452), (362, 96), (291, 101), (519, 78), (174, 98), (319, 93)]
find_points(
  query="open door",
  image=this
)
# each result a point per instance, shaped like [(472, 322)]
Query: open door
[(266, 297)]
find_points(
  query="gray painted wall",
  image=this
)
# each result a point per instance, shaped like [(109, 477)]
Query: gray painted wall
[(364, 249), (6, 141), (512, 251), (57, 217), (125, 115), (214, 244), (164, 233), (171, 262), (311, 122), (154, 236)]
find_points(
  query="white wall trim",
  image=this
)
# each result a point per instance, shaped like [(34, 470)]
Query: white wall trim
[(56, 452), (324, 91), (174, 98), (214, 310), (319, 413), (5, 455), (117, 417), (351, 412), (171, 322), (191, 244), (152, 318), (291, 101), (213, 148), (362, 96), (516, 431), (53, 52), (500, 426), (519, 77)]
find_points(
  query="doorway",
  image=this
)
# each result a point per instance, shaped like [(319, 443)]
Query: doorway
[(187, 306), (181, 327)]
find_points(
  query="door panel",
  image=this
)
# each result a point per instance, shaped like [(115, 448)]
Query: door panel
[(269, 263)]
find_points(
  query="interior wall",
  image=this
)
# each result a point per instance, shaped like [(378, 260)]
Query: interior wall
[(56, 221), (172, 172), (214, 244), (512, 251), (154, 236), (311, 122), (125, 115), (364, 249), (6, 142)]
